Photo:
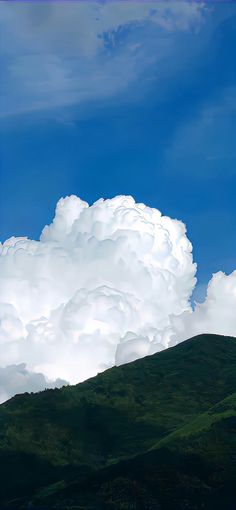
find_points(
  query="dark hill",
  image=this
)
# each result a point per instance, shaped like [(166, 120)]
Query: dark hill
[(163, 426)]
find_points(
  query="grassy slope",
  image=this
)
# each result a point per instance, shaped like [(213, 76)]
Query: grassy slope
[(193, 467), (186, 436), (165, 401)]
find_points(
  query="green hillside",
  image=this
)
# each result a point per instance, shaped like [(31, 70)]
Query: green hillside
[(156, 433)]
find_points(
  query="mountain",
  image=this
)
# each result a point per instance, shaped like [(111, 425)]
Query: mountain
[(158, 433)]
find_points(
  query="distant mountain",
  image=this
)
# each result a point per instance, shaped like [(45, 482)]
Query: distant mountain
[(158, 433)]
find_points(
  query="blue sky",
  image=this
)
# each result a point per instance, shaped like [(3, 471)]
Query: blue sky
[(106, 99)]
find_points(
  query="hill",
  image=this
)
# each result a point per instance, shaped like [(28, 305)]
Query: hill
[(155, 433)]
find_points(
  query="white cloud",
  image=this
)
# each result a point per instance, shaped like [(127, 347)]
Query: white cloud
[(99, 288), (104, 285), (215, 315), (79, 27)]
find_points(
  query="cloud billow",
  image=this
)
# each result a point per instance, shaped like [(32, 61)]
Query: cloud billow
[(104, 285), (98, 288)]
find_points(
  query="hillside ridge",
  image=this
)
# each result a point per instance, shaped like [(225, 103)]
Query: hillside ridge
[(171, 409)]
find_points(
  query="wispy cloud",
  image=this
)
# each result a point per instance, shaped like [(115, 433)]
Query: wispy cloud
[(209, 136), (57, 55)]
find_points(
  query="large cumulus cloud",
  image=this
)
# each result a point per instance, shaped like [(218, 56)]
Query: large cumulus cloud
[(104, 285), (98, 288)]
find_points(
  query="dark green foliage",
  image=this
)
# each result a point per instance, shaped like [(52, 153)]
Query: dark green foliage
[(158, 433)]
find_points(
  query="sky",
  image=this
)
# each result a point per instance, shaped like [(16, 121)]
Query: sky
[(106, 99), (119, 98)]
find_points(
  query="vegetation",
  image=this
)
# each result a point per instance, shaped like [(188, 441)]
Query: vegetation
[(158, 433)]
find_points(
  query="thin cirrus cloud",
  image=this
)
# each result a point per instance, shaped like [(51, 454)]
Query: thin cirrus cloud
[(57, 55), (104, 285), (207, 138)]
